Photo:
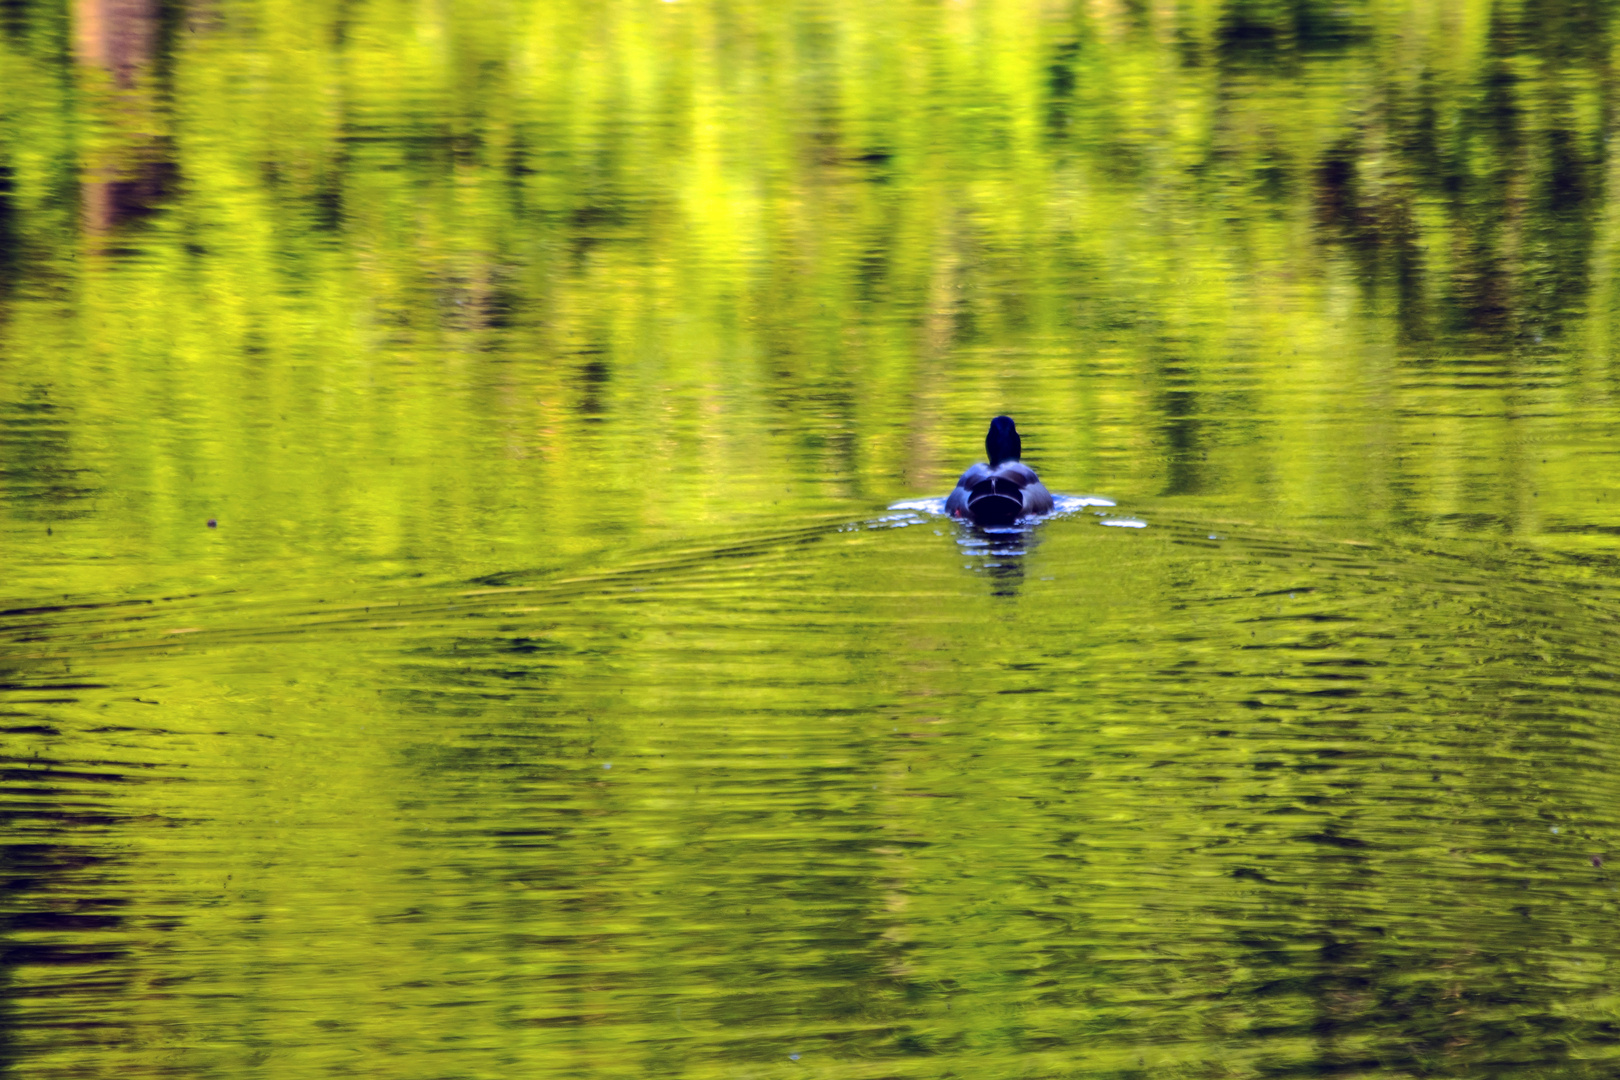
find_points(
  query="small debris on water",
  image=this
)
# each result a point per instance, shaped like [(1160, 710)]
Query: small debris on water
[(607, 764), (1597, 860), (1555, 830), (793, 1057), (212, 524)]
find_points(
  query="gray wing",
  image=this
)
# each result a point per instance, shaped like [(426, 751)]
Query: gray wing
[(956, 501), (1037, 500), (975, 473)]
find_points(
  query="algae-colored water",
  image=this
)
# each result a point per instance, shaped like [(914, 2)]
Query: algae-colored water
[(555, 693)]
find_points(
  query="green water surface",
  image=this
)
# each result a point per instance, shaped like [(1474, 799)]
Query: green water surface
[(453, 623)]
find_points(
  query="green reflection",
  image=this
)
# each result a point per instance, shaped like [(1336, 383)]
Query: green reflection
[(427, 285), (533, 711)]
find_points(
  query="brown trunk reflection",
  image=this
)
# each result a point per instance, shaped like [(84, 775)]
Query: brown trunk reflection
[(118, 36), (129, 171)]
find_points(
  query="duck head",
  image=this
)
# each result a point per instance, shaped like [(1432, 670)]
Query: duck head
[(1002, 444)]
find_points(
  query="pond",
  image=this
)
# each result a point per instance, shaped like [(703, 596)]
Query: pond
[(473, 601)]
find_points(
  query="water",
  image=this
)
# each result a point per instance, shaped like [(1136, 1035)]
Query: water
[(576, 678)]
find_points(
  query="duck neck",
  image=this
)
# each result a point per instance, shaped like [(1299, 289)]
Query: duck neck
[(1002, 444)]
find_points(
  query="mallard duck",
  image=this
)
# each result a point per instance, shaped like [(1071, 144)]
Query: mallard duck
[(1003, 491)]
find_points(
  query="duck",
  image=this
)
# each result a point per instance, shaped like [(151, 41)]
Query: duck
[(1004, 490)]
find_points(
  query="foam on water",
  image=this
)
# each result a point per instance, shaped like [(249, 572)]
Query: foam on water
[(1062, 505)]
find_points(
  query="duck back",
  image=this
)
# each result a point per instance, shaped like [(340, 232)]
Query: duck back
[(999, 495)]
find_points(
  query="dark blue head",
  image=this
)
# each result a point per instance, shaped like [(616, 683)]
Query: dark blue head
[(1002, 444)]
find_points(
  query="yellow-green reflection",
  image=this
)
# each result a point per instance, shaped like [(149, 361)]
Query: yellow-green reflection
[(530, 357)]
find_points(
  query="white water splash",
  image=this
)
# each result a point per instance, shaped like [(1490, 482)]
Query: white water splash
[(1061, 505), (888, 521)]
